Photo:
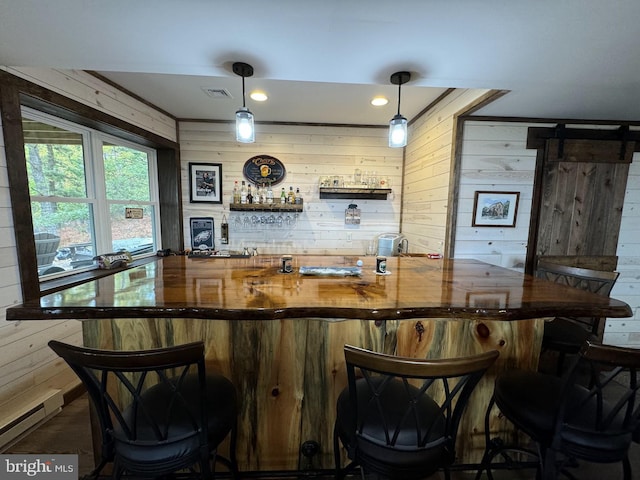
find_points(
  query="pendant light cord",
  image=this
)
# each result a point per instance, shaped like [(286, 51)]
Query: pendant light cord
[(399, 86), (243, 101)]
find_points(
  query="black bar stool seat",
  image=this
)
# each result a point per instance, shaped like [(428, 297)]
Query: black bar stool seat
[(220, 411)]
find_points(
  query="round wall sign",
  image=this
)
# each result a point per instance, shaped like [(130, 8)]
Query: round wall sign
[(264, 169)]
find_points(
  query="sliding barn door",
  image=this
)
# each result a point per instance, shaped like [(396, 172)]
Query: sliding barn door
[(580, 196)]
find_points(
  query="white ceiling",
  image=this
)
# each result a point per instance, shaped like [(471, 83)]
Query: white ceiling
[(322, 61)]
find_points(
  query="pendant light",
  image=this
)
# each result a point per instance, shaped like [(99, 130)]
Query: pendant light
[(245, 131), (398, 124)]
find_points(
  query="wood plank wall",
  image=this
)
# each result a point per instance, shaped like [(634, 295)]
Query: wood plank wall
[(27, 365), (308, 152), (627, 331), (89, 90), (427, 176), (495, 158)]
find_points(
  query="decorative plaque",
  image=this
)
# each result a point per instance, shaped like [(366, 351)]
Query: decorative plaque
[(264, 169)]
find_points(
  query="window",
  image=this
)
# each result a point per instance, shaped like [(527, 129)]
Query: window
[(90, 193)]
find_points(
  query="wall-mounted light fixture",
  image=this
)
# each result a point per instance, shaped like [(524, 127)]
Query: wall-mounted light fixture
[(245, 131), (398, 124)]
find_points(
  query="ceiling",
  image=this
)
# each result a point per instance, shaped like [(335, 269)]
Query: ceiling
[(323, 61)]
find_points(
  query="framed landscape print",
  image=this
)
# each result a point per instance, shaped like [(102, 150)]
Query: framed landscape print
[(205, 182), (495, 209)]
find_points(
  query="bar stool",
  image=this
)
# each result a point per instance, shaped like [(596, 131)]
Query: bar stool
[(399, 416), (591, 414), (566, 335), (159, 411)]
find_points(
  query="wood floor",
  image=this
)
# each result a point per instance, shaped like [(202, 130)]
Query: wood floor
[(69, 432)]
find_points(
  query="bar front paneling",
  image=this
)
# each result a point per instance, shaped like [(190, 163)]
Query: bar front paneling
[(289, 372)]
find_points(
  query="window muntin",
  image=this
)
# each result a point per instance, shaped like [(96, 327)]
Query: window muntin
[(83, 186)]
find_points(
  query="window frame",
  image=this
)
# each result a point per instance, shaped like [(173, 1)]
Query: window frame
[(93, 143), (16, 92)]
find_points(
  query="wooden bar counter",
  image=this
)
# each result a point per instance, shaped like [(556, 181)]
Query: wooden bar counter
[(279, 337)]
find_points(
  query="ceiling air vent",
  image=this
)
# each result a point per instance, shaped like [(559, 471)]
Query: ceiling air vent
[(217, 92)]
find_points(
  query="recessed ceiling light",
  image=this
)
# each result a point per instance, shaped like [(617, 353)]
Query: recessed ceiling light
[(379, 101), (258, 95)]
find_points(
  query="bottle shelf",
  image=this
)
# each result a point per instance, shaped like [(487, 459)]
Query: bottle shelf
[(266, 207), (354, 193)]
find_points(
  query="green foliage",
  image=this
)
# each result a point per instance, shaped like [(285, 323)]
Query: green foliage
[(58, 170), (126, 173), (50, 216), (55, 170)]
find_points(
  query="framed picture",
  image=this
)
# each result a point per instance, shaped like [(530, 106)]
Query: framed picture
[(495, 209), (202, 233), (205, 182)]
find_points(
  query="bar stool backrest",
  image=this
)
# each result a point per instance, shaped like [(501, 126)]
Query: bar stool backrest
[(144, 401), (600, 409), (594, 281), (406, 411)]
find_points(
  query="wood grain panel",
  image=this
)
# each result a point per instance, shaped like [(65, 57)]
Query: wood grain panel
[(325, 376), (251, 288), (89, 90), (289, 373), (601, 262), (589, 150), (432, 148), (518, 344), (581, 205)]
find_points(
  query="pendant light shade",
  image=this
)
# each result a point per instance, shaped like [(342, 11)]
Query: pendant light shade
[(245, 131), (398, 124), (398, 131)]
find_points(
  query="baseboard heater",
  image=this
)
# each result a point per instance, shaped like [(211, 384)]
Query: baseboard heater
[(31, 414)]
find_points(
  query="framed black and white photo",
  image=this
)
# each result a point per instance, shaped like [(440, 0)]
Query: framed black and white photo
[(205, 182), (495, 209)]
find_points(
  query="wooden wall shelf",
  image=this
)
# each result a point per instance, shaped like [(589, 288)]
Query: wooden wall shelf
[(355, 193), (266, 207)]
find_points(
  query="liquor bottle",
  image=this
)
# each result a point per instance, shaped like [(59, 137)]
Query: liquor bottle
[(269, 194), (291, 198), (236, 193), (243, 193), (249, 195), (224, 229), (283, 196), (263, 193), (298, 196)]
